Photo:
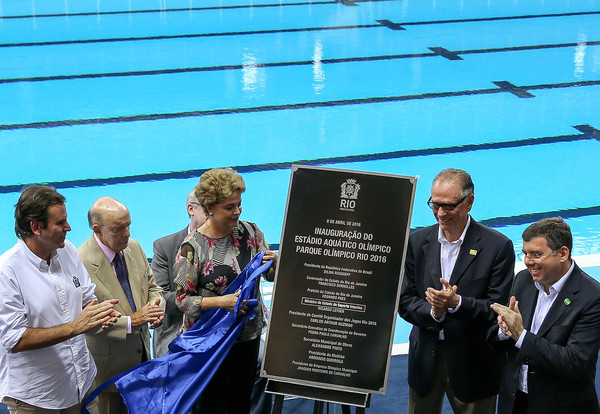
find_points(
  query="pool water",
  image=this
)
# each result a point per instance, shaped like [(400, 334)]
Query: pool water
[(136, 99)]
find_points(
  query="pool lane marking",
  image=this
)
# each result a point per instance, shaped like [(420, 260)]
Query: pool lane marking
[(503, 88), (436, 51), (191, 9), (388, 24), (587, 132), (173, 10), (196, 9)]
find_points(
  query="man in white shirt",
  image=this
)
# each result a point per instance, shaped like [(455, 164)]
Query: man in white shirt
[(551, 329), (47, 302)]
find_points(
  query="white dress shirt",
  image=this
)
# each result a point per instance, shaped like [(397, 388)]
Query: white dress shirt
[(35, 294), (448, 256), (110, 255)]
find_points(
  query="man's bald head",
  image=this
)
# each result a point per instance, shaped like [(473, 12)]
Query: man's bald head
[(110, 221)]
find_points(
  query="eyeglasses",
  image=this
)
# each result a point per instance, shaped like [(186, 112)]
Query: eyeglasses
[(535, 257), (445, 206)]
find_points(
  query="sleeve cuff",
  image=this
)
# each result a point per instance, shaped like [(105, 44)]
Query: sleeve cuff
[(452, 310), (521, 338), (436, 319), (501, 335)]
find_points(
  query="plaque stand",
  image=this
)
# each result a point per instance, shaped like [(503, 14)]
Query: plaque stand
[(319, 394)]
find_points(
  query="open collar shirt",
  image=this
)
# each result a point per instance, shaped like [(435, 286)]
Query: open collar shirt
[(449, 250), (448, 256), (35, 294)]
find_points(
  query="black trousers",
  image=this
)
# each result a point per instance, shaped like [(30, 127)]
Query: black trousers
[(230, 389), (520, 406)]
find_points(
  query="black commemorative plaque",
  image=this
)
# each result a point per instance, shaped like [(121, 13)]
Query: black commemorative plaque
[(338, 279)]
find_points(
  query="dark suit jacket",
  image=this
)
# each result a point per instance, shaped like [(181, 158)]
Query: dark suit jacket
[(483, 273), (562, 355), (113, 349), (165, 251)]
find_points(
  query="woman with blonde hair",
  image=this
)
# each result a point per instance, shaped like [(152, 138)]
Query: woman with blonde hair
[(209, 259)]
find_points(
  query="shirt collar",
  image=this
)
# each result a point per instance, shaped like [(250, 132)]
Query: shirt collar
[(108, 252), (558, 285), (35, 260), (461, 239)]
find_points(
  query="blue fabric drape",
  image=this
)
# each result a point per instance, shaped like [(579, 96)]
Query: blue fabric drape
[(172, 383)]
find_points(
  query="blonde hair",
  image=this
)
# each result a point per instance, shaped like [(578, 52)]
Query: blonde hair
[(216, 185)]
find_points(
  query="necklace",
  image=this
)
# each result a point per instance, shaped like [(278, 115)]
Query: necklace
[(209, 232)]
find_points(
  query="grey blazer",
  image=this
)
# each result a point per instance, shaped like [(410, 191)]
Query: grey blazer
[(165, 251)]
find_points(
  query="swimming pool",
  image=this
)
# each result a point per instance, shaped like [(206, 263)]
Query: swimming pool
[(136, 99)]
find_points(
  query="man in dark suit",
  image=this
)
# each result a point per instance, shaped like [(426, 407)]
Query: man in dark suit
[(165, 251), (454, 271), (119, 268), (551, 329)]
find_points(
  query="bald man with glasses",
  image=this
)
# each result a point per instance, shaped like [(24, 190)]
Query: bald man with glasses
[(454, 271)]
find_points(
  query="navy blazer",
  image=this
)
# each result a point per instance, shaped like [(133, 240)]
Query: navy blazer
[(483, 272), (562, 355)]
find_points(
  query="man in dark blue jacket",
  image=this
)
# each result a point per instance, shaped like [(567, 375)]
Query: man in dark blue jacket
[(551, 329), (454, 271)]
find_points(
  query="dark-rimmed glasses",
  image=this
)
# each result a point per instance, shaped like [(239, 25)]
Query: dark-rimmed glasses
[(445, 206)]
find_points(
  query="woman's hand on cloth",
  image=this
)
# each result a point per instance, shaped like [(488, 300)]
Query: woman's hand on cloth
[(270, 255), (228, 302)]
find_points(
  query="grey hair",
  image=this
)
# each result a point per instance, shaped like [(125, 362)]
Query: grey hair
[(462, 177)]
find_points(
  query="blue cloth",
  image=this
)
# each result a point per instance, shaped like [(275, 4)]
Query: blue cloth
[(172, 383)]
